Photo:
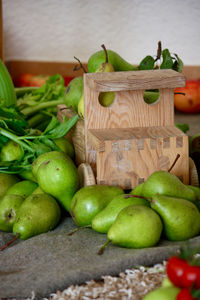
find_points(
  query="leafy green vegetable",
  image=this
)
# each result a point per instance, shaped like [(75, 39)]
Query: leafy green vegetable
[(34, 145)]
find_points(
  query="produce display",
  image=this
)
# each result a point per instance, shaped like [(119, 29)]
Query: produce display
[(38, 164)]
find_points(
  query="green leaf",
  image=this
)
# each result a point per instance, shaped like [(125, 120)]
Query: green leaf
[(167, 61), (178, 64), (147, 63), (183, 127), (62, 128)]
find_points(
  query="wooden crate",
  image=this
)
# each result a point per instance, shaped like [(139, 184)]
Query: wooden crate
[(126, 142)]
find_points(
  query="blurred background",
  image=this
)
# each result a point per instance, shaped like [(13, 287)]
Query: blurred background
[(58, 30)]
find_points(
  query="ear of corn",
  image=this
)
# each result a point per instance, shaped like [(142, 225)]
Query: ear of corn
[(7, 91)]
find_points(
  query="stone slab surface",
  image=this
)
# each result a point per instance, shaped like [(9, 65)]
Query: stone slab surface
[(53, 261)]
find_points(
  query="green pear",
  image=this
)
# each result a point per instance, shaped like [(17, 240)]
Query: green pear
[(136, 226), (165, 183), (137, 190), (106, 98), (65, 146), (38, 190), (181, 218), (59, 177), (11, 151), (23, 188), (9, 206), (166, 282), (90, 200), (118, 63), (38, 214), (27, 175), (44, 157), (74, 92), (105, 218), (163, 293), (6, 181), (81, 109), (196, 189)]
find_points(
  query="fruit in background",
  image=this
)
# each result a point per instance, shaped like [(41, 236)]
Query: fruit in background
[(181, 218), (74, 92), (136, 226), (105, 218), (163, 293), (118, 63), (165, 183), (137, 190), (90, 200), (190, 102), (38, 80), (31, 219)]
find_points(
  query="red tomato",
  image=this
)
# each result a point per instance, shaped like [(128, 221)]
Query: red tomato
[(190, 102), (38, 80), (182, 274), (185, 294), (67, 79), (24, 80)]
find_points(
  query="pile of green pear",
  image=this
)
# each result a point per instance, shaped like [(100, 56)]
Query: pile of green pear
[(110, 61), (29, 207), (162, 207)]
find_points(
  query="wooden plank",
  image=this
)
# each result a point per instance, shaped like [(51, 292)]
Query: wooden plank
[(1, 31), (134, 80), (191, 72)]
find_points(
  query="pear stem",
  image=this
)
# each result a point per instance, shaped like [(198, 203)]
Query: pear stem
[(101, 250), (134, 196), (76, 68), (78, 228), (177, 157), (159, 51), (106, 53), (16, 236)]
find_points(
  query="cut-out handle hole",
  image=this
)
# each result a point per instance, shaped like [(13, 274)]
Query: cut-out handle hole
[(151, 97), (106, 99)]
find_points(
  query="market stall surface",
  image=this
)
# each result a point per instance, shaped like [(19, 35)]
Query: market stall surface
[(53, 261), (69, 267)]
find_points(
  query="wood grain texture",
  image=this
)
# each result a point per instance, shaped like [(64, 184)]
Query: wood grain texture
[(135, 80), (128, 166)]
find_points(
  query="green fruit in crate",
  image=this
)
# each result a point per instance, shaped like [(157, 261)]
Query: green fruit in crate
[(74, 92), (11, 151), (136, 226), (163, 293), (6, 181), (165, 183), (39, 213), (59, 177), (27, 175), (44, 157), (81, 107), (9, 206), (23, 188), (90, 200), (105, 218), (65, 146), (118, 63), (180, 217)]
